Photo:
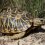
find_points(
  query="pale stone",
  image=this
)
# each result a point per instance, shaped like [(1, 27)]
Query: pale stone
[(43, 27)]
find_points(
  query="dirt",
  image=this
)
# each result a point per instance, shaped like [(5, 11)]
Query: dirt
[(36, 37)]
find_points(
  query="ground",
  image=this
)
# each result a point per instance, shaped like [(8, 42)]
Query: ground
[(36, 37)]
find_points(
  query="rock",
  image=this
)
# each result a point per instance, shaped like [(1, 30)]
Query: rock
[(43, 27)]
